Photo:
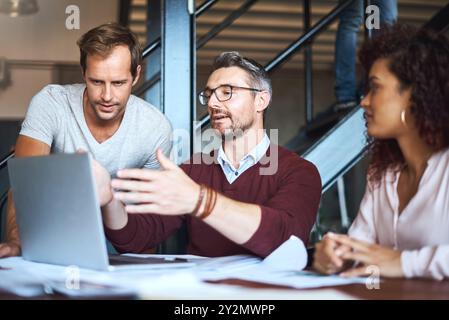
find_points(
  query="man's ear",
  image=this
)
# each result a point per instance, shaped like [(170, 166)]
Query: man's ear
[(262, 100), (137, 77)]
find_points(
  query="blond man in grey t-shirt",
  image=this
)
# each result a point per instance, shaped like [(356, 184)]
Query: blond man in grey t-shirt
[(101, 116)]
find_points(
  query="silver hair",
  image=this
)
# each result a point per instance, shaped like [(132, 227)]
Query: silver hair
[(257, 74)]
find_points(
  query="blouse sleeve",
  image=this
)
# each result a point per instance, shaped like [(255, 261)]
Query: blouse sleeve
[(363, 226), (428, 262)]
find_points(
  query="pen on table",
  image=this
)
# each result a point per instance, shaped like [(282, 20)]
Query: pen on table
[(176, 259), (3, 268)]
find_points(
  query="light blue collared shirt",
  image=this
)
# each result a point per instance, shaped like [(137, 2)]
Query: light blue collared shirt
[(247, 161)]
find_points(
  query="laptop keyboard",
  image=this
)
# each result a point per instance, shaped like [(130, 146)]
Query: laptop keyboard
[(117, 260)]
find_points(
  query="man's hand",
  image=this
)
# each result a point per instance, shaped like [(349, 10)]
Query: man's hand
[(9, 249), (102, 181), (169, 191), (327, 258), (386, 259)]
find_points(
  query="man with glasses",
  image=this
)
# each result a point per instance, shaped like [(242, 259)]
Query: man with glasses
[(233, 204)]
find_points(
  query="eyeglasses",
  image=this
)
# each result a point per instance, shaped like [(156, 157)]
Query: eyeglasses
[(223, 93)]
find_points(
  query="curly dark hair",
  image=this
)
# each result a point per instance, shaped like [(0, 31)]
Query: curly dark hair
[(419, 58)]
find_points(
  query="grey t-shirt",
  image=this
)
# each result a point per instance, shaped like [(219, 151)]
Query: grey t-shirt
[(55, 116)]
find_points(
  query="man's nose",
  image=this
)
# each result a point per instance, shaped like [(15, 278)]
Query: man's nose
[(213, 102), (106, 94)]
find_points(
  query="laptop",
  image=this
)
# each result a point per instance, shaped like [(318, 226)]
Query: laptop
[(59, 217)]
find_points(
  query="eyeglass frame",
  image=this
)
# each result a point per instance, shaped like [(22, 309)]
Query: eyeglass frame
[(213, 91)]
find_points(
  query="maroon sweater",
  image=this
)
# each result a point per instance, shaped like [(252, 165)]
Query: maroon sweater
[(288, 199)]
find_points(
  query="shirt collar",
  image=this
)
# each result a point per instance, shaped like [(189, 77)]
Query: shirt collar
[(255, 154)]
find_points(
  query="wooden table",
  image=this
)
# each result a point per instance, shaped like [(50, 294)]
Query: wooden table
[(390, 289), (402, 289)]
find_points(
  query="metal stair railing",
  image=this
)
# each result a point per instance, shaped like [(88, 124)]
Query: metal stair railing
[(200, 43), (295, 46)]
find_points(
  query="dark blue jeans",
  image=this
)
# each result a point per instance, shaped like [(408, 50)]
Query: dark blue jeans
[(346, 44)]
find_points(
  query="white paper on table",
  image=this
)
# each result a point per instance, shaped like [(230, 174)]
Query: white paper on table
[(186, 286), (28, 279), (291, 255), (20, 282), (284, 266), (295, 279)]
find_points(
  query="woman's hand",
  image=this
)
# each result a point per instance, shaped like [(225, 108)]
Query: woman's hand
[(386, 259), (327, 258)]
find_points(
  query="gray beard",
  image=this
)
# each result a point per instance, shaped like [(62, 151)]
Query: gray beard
[(237, 130)]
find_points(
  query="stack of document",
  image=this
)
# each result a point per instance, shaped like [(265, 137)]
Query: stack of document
[(284, 267)]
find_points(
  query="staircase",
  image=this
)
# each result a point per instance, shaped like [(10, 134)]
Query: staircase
[(271, 25)]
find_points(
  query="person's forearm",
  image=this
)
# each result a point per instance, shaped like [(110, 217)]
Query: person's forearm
[(114, 215), (236, 220), (12, 231)]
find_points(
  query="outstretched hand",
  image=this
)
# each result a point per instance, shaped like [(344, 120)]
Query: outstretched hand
[(102, 181), (168, 191)]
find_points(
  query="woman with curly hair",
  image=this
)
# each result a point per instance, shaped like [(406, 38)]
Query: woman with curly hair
[(403, 222)]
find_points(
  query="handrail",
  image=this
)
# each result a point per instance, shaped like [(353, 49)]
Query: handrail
[(211, 34), (225, 23), (312, 33), (147, 85), (204, 121), (333, 159), (151, 47), (4, 161), (204, 7), (295, 46), (439, 21), (3, 200), (198, 12)]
